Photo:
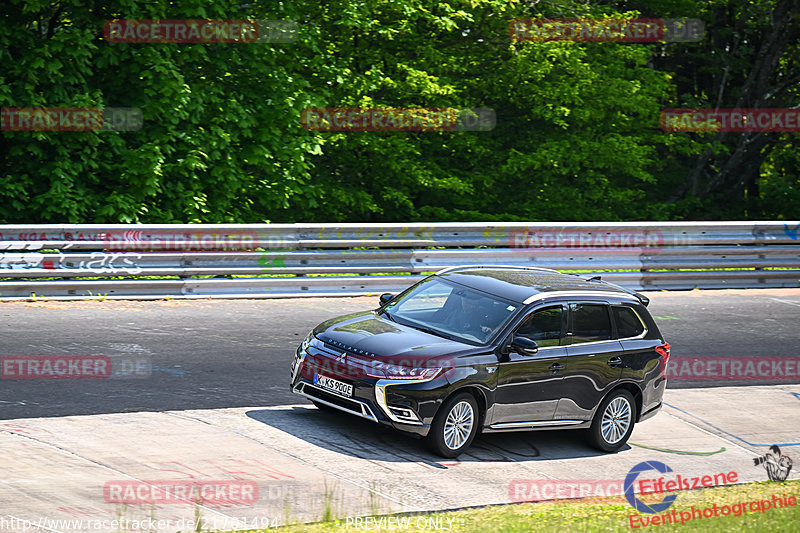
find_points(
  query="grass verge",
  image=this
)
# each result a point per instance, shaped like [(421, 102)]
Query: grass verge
[(597, 515)]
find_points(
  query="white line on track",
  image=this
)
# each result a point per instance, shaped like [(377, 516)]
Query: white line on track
[(786, 301)]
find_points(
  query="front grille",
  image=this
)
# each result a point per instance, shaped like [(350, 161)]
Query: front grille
[(354, 407), (330, 398)]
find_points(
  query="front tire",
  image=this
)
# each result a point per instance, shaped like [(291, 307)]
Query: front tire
[(454, 426), (613, 422)]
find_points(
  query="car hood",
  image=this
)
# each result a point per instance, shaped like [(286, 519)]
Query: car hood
[(372, 335)]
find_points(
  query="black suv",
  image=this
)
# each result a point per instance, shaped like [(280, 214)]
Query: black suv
[(492, 348)]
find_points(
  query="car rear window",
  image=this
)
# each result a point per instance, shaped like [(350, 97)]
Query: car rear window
[(590, 322), (628, 322)]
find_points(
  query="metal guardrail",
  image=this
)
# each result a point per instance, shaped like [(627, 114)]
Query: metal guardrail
[(285, 260)]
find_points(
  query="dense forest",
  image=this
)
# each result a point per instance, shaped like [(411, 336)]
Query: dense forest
[(576, 134)]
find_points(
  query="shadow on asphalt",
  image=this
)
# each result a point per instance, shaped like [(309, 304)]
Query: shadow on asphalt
[(356, 437)]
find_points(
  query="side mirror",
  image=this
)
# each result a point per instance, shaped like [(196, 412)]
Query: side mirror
[(386, 297), (524, 345)]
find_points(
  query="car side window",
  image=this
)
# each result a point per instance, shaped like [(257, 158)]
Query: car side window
[(543, 326), (590, 323), (628, 322)]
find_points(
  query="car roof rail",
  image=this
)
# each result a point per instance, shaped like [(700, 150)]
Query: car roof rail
[(645, 301), (509, 267)]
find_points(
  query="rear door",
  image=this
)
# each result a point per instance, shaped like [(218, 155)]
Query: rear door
[(594, 360)]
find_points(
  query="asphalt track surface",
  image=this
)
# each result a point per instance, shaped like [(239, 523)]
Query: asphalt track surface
[(216, 410), (211, 354)]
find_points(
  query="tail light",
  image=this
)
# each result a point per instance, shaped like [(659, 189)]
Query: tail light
[(663, 351)]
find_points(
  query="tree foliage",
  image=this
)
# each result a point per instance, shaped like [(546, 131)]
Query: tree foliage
[(577, 134)]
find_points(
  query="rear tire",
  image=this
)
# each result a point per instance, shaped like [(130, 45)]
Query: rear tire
[(454, 426), (613, 422)]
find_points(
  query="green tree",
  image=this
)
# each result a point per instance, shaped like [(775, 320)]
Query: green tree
[(214, 146)]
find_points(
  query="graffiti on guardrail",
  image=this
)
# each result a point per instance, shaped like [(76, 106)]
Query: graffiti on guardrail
[(34, 236), (97, 263), (271, 264), (110, 264)]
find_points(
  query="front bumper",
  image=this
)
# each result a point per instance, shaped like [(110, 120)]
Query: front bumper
[(406, 405), (348, 405), (387, 414)]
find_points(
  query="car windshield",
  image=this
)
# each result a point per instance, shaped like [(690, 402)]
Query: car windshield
[(451, 310)]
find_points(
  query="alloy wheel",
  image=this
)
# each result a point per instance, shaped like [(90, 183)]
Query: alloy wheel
[(616, 420), (458, 425)]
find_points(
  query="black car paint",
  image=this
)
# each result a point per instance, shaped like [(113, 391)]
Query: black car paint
[(566, 382)]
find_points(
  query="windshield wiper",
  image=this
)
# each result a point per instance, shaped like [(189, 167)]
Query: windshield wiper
[(429, 330)]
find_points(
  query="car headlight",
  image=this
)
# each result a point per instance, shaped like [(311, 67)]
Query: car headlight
[(390, 371), (307, 342), (301, 353)]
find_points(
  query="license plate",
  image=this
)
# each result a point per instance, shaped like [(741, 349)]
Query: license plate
[(334, 385)]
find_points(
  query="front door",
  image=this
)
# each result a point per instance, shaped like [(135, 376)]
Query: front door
[(528, 386)]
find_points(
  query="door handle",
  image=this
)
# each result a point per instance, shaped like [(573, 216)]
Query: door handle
[(555, 367), (614, 362)]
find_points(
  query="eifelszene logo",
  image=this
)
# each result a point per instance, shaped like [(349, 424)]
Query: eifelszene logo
[(661, 485), (635, 502)]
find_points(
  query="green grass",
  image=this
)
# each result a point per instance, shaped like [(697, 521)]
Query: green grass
[(606, 514)]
